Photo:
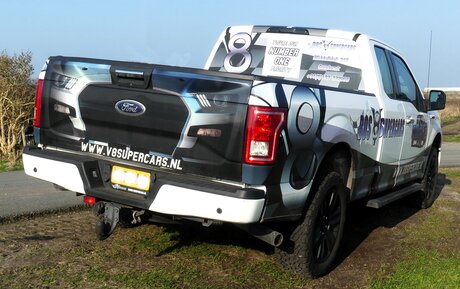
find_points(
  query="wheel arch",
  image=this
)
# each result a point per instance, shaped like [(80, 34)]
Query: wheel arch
[(338, 158), (437, 141)]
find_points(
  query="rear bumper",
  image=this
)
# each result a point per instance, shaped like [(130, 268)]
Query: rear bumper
[(60, 173), (171, 193)]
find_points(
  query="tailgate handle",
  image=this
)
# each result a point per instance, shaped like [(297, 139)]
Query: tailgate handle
[(129, 74), (136, 78)]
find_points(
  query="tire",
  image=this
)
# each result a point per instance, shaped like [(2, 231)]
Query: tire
[(103, 229), (426, 197), (314, 242)]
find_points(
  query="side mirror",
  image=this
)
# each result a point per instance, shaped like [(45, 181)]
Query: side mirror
[(437, 100)]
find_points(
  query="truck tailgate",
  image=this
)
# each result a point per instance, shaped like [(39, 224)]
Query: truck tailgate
[(180, 119)]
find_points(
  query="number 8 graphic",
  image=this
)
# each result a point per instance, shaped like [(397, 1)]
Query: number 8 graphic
[(238, 59)]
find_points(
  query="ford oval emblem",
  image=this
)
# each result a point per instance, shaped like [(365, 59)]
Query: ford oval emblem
[(130, 107)]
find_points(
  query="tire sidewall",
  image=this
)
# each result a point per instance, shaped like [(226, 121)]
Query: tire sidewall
[(296, 253), (429, 193), (331, 181)]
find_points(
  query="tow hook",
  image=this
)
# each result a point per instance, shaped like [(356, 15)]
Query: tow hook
[(107, 219), (137, 217)]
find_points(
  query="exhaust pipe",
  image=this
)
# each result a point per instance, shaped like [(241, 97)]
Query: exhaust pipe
[(263, 233)]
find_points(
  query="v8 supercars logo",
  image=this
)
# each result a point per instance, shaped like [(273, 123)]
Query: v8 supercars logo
[(104, 149)]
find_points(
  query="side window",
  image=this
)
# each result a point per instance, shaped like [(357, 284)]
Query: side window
[(407, 87), (385, 72)]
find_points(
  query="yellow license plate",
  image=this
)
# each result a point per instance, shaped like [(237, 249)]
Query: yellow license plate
[(130, 178)]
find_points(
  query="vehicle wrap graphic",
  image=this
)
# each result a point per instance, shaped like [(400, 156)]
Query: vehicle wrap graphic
[(312, 59), (127, 154), (195, 117), (301, 145), (371, 126), (67, 79), (187, 124), (419, 132)]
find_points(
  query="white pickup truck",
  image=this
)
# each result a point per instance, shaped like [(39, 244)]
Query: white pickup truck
[(282, 129)]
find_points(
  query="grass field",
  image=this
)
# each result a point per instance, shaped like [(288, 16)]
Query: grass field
[(450, 117), (394, 247), (4, 167), (431, 258)]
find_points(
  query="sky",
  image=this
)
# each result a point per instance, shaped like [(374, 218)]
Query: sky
[(175, 32)]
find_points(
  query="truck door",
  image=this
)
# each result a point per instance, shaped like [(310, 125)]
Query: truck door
[(417, 121), (391, 124)]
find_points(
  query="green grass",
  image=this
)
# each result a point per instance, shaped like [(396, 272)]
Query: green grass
[(423, 269), (432, 255), (452, 173), (5, 167), (151, 257), (451, 138), (450, 118), (191, 256)]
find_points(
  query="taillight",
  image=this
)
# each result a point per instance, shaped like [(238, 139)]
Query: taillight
[(90, 200), (263, 127), (38, 103)]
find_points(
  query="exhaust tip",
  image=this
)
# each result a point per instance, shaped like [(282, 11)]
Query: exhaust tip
[(263, 233), (277, 239)]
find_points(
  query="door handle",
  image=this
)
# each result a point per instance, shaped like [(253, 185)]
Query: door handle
[(410, 120)]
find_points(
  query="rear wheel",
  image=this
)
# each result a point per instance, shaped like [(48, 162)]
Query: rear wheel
[(313, 244)]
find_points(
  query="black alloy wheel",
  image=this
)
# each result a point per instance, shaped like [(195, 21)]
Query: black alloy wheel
[(326, 230)]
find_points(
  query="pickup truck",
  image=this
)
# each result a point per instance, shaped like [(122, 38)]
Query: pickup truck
[(277, 134)]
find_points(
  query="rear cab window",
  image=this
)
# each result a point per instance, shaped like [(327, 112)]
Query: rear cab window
[(385, 72)]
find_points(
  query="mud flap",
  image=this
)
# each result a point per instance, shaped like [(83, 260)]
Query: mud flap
[(108, 215)]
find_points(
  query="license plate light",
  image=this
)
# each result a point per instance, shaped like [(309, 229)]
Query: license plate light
[(130, 178)]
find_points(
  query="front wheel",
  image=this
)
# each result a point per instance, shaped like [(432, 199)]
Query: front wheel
[(426, 197), (314, 243)]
